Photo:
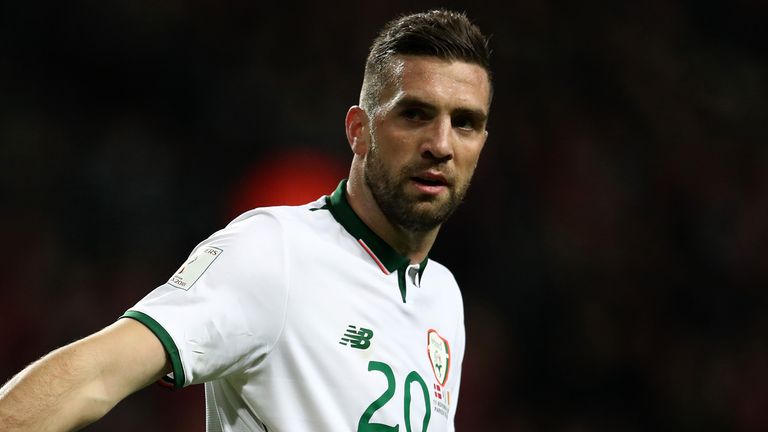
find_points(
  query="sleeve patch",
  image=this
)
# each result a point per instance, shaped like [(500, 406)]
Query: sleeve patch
[(196, 265)]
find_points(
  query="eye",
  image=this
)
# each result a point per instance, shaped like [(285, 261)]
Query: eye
[(414, 114), (464, 122)]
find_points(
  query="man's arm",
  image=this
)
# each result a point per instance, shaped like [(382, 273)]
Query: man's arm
[(77, 384)]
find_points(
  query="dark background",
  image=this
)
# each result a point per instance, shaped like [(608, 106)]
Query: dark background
[(613, 250)]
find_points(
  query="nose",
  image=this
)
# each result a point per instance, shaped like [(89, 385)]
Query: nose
[(437, 143)]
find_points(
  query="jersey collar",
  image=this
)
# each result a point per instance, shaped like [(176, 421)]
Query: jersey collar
[(382, 253)]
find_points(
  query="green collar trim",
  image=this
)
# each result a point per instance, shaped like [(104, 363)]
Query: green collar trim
[(382, 253)]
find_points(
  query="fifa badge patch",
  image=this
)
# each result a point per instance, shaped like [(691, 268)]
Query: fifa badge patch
[(196, 265), (439, 356)]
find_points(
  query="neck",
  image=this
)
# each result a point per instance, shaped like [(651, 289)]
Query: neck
[(414, 245)]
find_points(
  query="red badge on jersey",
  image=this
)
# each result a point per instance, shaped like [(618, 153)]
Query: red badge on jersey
[(439, 356)]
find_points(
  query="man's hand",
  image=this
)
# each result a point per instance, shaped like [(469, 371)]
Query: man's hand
[(79, 383)]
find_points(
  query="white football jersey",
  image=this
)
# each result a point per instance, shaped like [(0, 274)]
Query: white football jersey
[(303, 319)]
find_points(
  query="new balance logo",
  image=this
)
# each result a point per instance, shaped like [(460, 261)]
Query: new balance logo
[(357, 338)]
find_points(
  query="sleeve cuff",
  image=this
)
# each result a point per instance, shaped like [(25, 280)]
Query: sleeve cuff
[(167, 341)]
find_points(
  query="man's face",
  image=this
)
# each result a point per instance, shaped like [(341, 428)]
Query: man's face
[(426, 137)]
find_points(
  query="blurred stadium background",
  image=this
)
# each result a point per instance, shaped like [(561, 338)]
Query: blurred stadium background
[(613, 251)]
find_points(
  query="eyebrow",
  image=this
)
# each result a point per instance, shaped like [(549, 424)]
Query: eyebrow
[(414, 102)]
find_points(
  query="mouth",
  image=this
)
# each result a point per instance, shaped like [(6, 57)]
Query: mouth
[(430, 183)]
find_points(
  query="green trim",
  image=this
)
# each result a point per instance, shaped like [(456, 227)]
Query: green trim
[(401, 282), (343, 213), (166, 340), (325, 207), (422, 267), (392, 260)]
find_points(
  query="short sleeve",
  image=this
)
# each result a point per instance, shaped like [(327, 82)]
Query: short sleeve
[(224, 309)]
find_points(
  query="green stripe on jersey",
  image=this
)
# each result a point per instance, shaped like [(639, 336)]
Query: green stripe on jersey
[(166, 340), (344, 214)]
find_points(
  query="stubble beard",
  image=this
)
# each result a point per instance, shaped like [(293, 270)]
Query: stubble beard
[(416, 214)]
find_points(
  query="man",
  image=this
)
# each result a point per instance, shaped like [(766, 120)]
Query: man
[(322, 317)]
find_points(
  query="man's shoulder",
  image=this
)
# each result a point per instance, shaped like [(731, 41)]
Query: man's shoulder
[(288, 225), (305, 214), (264, 232), (437, 273), (440, 270), (441, 286)]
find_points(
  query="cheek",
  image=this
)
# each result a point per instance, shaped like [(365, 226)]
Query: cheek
[(468, 155), (395, 147)]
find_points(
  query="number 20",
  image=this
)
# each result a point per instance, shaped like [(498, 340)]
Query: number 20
[(365, 425)]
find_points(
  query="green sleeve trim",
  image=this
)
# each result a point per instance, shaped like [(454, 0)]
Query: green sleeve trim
[(166, 340)]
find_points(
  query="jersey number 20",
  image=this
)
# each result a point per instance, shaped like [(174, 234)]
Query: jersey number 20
[(365, 425)]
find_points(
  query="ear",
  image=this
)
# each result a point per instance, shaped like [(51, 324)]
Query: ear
[(356, 125)]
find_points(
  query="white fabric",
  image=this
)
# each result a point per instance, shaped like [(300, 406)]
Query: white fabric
[(262, 327)]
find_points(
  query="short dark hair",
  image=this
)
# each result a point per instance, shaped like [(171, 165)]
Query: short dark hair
[(437, 33)]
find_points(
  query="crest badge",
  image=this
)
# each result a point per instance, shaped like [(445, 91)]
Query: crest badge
[(439, 356)]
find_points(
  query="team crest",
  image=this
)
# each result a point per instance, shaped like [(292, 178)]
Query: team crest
[(439, 356)]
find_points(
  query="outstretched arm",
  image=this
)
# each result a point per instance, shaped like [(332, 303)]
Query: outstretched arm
[(77, 384)]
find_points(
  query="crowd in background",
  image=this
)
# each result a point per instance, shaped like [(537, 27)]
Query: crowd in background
[(612, 251)]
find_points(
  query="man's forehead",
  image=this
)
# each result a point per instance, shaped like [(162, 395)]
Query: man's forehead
[(427, 78)]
